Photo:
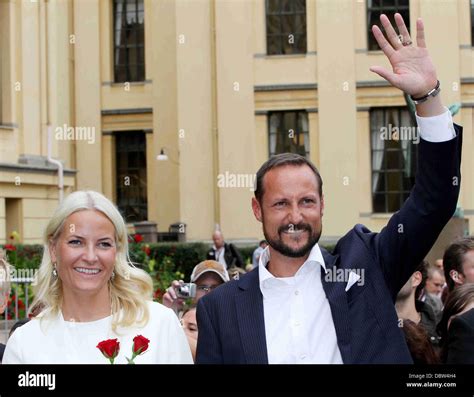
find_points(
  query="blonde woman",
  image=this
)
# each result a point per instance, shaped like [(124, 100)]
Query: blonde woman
[(89, 292)]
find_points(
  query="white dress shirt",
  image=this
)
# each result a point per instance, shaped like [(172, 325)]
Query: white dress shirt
[(436, 128), (299, 327), (220, 255)]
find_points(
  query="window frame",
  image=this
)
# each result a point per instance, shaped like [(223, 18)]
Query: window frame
[(302, 133), (384, 171), (123, 201), (390, 10), (281, 35), (130, 66)]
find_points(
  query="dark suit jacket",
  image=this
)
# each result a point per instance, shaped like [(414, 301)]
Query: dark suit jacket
[(231, 255), (230, 319), (461, 339), (2, 350)]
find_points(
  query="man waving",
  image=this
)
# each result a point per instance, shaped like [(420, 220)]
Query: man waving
[(293, 308)]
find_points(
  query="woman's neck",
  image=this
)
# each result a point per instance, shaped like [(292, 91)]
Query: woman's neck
[(85, 307)]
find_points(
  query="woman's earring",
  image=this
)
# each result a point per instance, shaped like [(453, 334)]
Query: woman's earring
[(112, 276), (55, 271)]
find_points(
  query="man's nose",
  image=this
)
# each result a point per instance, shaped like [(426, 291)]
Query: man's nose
[(295, 217)]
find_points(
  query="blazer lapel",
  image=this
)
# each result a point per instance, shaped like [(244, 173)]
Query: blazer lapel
[(336, 294), (249, 306)]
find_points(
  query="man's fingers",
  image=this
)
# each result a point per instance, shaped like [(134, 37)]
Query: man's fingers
[(382, 41), (167, 300), (391, 34), (382, 72), (420, 33), (402, 28), (172, 293)]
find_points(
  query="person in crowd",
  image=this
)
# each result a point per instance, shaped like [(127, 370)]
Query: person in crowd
[(458, 262), (207, 275), (435, 282), (457, 326), (189, 323), (224, 253), (96, 306), (265, 318), (421, 350), (433, 289), (4, 289), (439, 264), (408, 306), (256, 254)]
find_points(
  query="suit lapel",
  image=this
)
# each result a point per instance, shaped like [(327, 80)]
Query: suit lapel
[(336, 294), (249, 306)]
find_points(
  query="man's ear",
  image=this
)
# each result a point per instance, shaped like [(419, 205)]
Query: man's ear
[(416, 279), (257, 210), (456, 277), (322, 205)]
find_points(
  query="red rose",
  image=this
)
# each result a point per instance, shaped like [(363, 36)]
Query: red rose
[(147, 250), (109, 348), (138, 238), (10, 247), (140, 345), (157, 294)]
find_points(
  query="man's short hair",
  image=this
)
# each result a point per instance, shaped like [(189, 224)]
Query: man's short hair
[(281, 160), (454, 256), (423, 269)]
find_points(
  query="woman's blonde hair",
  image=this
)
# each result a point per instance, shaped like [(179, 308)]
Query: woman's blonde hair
[(130, 288), (4, 277)]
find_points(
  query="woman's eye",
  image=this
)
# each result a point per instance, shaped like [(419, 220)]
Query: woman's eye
[(74, 242), (105, 244)]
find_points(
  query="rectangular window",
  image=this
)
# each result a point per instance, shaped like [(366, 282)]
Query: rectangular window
[(1, 92), (132, 200), (472, 23), (288, 132), (286, 26), (129, 40), (388, 7), (394, 138)]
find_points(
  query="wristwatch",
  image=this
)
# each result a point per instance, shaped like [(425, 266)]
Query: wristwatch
[(435, 91)]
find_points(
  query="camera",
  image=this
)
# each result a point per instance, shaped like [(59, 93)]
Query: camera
[(186, 290)]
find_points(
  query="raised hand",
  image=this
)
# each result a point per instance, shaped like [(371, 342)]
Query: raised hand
[(413, 71)]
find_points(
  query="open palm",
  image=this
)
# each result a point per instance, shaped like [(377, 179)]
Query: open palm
[(413, 70)]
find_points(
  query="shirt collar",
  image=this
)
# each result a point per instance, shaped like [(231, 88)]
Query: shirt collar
[(315, 257)]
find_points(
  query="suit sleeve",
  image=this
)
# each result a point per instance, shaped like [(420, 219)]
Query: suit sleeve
[(461, 340), (209, 350), (412, 231)]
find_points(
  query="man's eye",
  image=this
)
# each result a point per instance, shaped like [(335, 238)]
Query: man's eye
[(280, 204), (308, 201)]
